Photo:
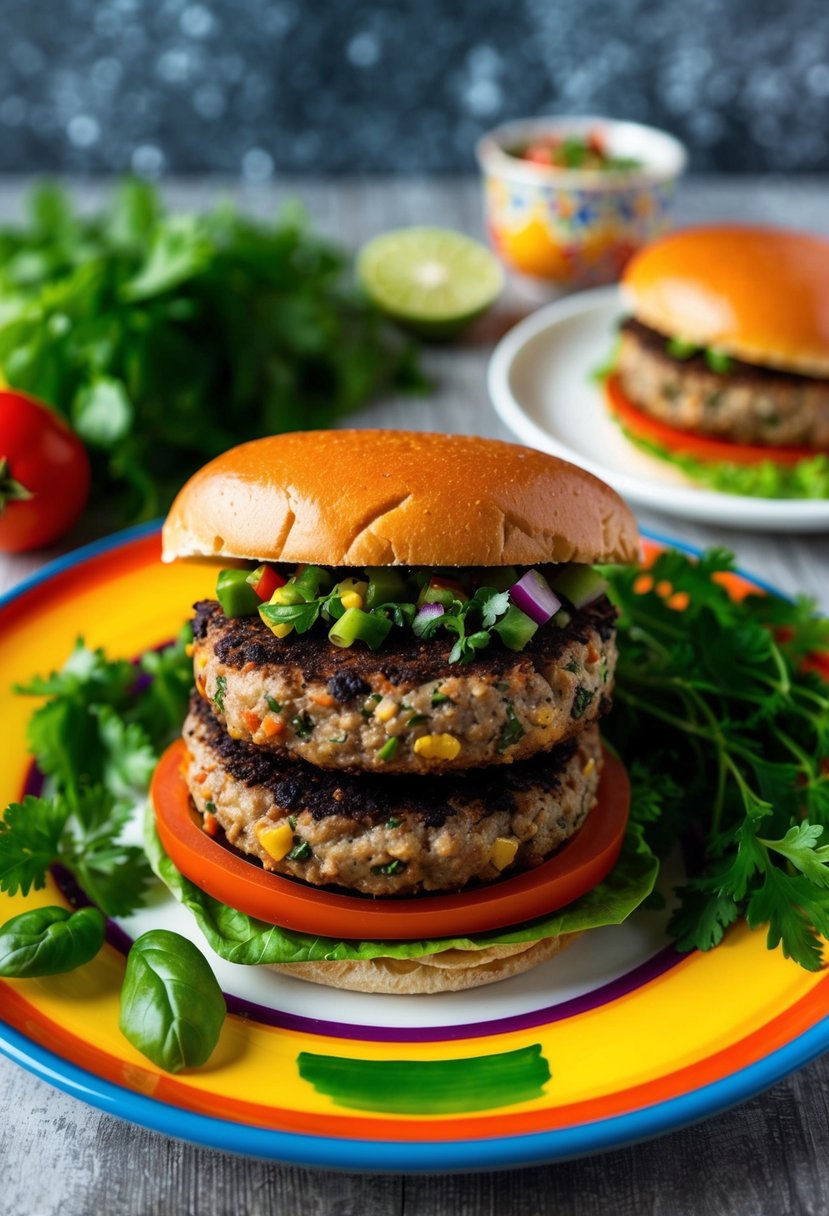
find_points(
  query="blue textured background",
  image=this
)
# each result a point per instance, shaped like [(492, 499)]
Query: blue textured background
[(258, 88)]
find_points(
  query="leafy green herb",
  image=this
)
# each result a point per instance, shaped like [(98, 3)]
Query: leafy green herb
[(210, 807), (472, 622), (300, 852), (302, 615), (677, 348), (303, 724), (391, 868), (83, 834), (416, 719), (172, 1008), (96, 738), (273, 705), (727, 738), (393, 823), (221, 692), (439, 698), (581, 701), (717, 360), (338, 738), (292, 822), (512, 730), (166, 339), (48, 941)]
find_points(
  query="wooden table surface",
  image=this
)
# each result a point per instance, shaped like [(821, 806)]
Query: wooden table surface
[(59, 1157)]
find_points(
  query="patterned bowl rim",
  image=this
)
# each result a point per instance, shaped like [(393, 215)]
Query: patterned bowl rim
[(664, 156)]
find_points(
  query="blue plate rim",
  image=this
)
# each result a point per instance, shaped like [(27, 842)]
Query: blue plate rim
[(395, 1156)]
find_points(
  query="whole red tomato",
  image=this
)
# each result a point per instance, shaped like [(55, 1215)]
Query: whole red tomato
[(44, 474)]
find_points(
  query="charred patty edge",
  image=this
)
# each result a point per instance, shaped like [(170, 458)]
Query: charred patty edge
[(388, 835)]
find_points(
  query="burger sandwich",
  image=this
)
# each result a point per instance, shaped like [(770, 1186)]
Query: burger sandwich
[(722, 365), (391, 777)]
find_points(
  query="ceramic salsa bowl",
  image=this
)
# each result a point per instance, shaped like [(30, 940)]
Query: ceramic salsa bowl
[(573, 228)]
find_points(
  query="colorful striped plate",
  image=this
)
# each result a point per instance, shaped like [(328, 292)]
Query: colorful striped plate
[(620, 1039)]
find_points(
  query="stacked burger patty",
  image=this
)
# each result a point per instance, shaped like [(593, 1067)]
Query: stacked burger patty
[(396, 772), (747, 403)]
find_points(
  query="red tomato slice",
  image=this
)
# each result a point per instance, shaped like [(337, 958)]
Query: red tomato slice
[(577, 867), (642, 426)]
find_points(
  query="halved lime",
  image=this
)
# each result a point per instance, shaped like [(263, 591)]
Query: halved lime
[(431, 280)]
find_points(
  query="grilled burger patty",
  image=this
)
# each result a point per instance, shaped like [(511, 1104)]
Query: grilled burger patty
[(338, 709), (746, 404), (386, 835)]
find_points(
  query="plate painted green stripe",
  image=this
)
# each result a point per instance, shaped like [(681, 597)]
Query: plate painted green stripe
[(429, 1087)]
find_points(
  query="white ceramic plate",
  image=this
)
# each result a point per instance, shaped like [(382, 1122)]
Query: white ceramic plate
[(540, 384)]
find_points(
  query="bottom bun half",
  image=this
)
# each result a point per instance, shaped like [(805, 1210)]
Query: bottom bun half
[(447, 971)]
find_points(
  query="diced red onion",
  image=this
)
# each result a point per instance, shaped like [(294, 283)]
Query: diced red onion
[(533, 595), (428, 612)]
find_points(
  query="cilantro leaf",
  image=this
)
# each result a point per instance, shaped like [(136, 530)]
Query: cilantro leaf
[(714, 710), (493, 604), (799, 846), (794, 917), (30, 833)]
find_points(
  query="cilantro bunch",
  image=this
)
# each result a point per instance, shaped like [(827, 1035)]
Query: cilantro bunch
[(96, 739), (726, 735), (167, 338)]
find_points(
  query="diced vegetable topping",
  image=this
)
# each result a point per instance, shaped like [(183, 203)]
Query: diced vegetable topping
[(265, 580), (575, 151), (235, 594), (471, 606), (533, 596), (579, 585), (356, 625)]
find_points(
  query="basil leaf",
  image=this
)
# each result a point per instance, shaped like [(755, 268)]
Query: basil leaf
[(172, 1008), (301, 616), (48, 941)]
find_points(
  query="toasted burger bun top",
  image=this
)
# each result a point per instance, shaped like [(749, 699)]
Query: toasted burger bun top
[(375, 498), (761, 294)]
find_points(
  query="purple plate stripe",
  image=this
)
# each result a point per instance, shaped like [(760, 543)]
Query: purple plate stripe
[(643, 974)]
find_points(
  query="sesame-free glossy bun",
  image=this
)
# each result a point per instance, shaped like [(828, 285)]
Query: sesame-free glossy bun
[(761, 294), (376, 498)]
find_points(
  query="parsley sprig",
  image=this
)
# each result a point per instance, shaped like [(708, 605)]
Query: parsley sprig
[(165, 338), (727, 738), (471, 621), (96, 738)]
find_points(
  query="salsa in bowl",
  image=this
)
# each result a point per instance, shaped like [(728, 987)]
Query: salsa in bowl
[(568, 200)]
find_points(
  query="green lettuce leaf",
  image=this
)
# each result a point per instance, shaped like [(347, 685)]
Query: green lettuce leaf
[(241, 939), (809, 478)]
